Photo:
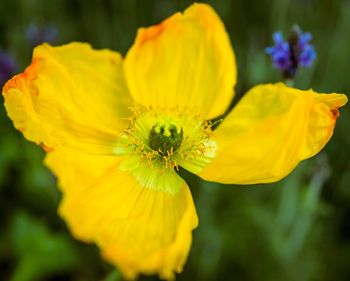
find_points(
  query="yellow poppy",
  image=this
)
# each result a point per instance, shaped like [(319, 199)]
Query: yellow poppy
[(116, 130)]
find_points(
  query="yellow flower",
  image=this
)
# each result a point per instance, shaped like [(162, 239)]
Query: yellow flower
[(116, 130)]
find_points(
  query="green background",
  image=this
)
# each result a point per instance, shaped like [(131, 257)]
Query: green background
[(297, 229)]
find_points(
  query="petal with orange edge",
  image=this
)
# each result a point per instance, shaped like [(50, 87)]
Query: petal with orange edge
[(70, 96), (270, 131), (140, 230), (186, 61)]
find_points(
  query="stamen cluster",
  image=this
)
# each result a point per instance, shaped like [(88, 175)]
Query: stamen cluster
[(165, 140)]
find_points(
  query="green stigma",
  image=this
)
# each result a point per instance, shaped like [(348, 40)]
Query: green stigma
[(165, 137)]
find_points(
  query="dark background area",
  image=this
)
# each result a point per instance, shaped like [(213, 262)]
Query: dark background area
[(297, 229)]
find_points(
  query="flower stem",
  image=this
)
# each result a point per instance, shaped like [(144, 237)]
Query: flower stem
[(114, 275)]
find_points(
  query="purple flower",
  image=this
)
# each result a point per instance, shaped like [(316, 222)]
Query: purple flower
[(7, 67), (280, 52), (37, 35), (287, 56), (307, 56), (304, 39)]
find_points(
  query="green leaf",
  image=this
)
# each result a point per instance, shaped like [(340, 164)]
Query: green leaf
[(40, 252)]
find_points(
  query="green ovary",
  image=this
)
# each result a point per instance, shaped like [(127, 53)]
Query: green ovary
[(165, 137)]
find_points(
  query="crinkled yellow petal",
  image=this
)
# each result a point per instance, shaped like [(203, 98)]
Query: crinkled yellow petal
[(140, 230), (76, 171), (270, 131), (186, 61), (70, 96)]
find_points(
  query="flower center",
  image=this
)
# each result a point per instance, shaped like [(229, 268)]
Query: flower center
[(155, 144), (165, 137)]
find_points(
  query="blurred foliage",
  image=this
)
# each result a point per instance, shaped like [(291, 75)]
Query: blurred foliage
[(297, 229)]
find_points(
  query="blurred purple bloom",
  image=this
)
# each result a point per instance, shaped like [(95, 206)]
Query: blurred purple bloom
[(287, 56), (37, 35), (304, 39), (281, 60), (280, 52), (307, 56), (7, 67)]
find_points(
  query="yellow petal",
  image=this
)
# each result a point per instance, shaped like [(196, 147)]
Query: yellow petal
[(270, 131), (70, 96), (76, 171), (186, 61), (140, 230)]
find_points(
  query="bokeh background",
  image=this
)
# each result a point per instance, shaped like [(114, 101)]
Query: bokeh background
[(297, 229)]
